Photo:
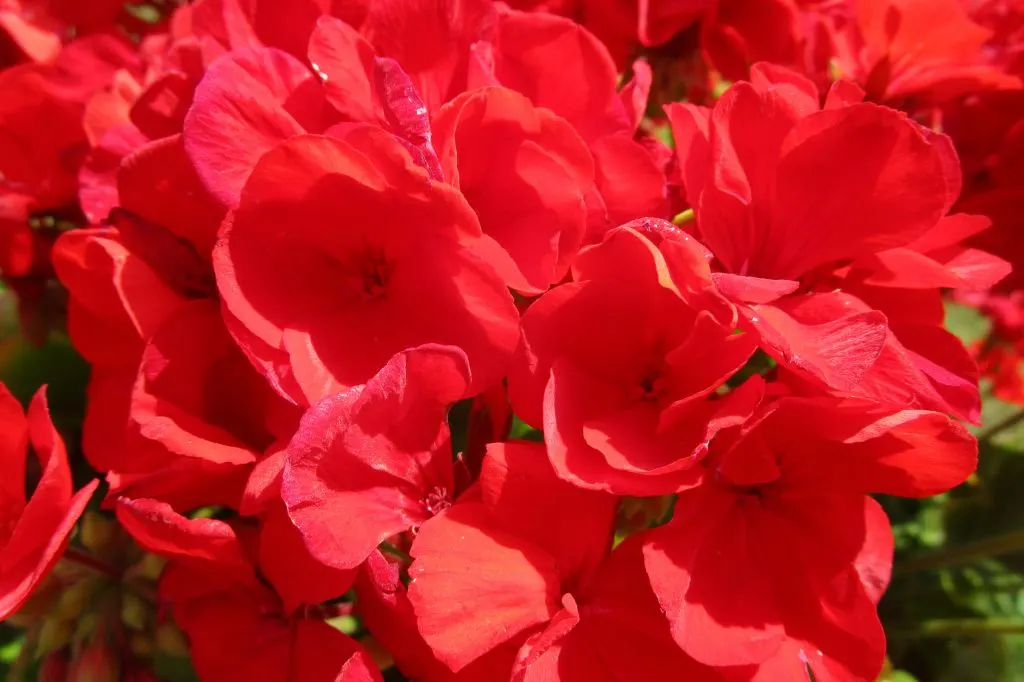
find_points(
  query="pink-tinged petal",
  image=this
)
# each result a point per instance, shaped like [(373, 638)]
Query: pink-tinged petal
[(690, 564), (429, 38), (379, 453), (474, 587), (406, 114), (529, 500), (837, 353), (246, 104), (203, 544), (345, 63)]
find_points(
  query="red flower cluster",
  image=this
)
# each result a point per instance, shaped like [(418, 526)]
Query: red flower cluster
[(294, 235)]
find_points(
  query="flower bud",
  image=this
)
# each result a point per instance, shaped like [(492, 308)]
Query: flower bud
[(170, 640), (97, 532), (54, 634), (135, 611)]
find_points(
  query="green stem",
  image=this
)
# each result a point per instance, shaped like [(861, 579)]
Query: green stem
[(1009, 543), (999, 427), (388, 548), (954, 627), (77, 556)]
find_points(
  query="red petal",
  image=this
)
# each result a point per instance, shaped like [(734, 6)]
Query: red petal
[(529, 500), (247, 103), (513, 585), (379, 454)]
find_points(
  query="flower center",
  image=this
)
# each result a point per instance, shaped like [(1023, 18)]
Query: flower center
[(437, 500)]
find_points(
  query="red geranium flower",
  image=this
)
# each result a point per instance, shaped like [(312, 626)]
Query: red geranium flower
[(777, 556), (616, 365), (542, 583), (749, 167), (378, 258), (379, 454)]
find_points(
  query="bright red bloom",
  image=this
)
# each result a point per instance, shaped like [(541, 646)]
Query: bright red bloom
[(379, 259), (128, 278), (749, 166), (561, 66), (237, 625), (542, 581), (777, 556), (379, 453), (617, 364), (200, 416), (528, 176), (33, 532)]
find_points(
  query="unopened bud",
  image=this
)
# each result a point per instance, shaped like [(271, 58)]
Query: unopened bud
[(86, 626), (97, 532), (135, 611), (74, 599), (151, 566), (95, 663), (54, 634), (170, 640)]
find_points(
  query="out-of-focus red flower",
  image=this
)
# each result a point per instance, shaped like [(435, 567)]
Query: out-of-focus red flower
[(37, 29), (748, 167), (920, 51), (625, 411), (33, 531), (235, 623), (1005, 19), (780, 513), (380, 258), (379, 453), (542, 582)]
